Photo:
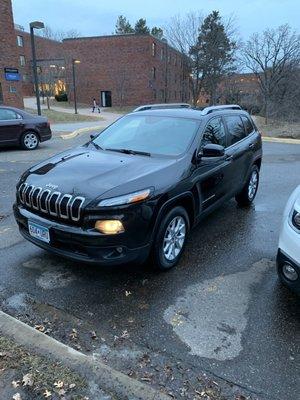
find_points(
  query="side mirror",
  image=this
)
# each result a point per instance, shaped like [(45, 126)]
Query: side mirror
[(93, 135), (212, 150)]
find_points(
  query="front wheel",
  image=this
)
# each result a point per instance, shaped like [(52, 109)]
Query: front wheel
[(170, 239), (248, 193), (30, 140)]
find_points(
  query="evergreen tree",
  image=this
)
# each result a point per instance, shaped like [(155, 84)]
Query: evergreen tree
[(213, 54), (157, 32), (141, 27), (123, 26)]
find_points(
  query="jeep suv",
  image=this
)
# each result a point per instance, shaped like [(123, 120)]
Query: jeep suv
[(137, 188)]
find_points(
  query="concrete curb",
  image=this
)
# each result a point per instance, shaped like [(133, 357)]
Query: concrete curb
[(79, 132), (280, 140), (108, 378)]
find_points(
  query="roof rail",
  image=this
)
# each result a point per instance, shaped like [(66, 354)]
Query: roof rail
[(161, 106), (208, 110)]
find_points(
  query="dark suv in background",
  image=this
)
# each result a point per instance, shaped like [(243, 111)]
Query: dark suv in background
[(20, 128), (138, 187)]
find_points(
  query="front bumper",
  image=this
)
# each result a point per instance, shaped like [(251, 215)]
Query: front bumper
[(77, 244)]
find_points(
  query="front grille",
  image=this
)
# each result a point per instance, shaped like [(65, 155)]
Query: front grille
[(55, 204)]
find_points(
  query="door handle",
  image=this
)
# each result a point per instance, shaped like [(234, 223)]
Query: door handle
[(251, 146), (229, 158)]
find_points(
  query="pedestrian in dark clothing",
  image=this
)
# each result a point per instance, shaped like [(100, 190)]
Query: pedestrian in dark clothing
[(95, 106)]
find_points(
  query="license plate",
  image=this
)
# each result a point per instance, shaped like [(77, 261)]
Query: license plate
[(39, 232)]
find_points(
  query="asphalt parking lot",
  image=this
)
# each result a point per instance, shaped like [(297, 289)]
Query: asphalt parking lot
[(221, 310)]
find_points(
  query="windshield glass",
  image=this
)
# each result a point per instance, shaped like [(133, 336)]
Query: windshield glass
[(152, 134)]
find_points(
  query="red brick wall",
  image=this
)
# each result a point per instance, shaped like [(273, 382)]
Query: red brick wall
[(45, 49), (110, 63), (8, 55)]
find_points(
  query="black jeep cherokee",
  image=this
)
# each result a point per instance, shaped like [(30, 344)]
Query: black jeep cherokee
[(138, 187)]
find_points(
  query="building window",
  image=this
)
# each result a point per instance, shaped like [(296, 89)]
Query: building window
[(161, 53), (175, 60), (12, 89), (154, 94), (162, 94), (169, 58), (20, 41), (175, 95), (153, 49), (153, 72), (25, 78), (175, 78), (22, 61)]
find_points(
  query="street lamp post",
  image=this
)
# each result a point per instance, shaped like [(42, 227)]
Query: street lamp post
[(74, 61), (35, 25)]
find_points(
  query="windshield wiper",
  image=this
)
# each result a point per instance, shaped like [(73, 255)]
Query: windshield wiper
[(96, 145), (129, 151)]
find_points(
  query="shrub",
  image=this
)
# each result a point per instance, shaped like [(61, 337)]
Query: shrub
[(61, 97)]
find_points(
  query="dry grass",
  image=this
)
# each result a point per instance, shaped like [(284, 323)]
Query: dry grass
[(278, 129), (61, 117)]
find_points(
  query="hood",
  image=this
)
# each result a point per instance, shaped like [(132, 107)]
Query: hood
[(91, 173)]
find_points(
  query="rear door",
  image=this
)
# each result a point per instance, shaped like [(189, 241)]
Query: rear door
[(11, 125), (212, 173), (239, 149)]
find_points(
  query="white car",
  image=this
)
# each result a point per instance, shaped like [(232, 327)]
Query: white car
[(288, 257)]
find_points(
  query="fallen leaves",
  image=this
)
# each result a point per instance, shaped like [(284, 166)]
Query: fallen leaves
[(17, 396), (47, 393), (74, 334), (93, 335), (27, 380), (127, 293), (58, 384), (15, 384)]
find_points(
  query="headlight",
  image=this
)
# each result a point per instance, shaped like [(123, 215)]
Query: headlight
[(126, 199), (296, 219), (109, 227)]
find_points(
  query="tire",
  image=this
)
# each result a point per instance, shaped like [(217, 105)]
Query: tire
[(163, 257), (30, 140), (248, 193)]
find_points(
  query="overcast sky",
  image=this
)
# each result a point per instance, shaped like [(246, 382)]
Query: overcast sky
[(98, 17)]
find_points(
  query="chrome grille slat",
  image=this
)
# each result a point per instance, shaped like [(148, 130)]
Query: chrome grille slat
[(66, 206), (61, 214), (54, 213), (41, 200), (73, 216)]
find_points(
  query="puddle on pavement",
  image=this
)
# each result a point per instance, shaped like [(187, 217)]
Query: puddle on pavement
[(211, 316), (54, 274)]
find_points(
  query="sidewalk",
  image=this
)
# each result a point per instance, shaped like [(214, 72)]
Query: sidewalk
[(30, 102)]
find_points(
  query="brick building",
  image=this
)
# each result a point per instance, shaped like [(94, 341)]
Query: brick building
[(48, 53), (126, 70), (10, 87)]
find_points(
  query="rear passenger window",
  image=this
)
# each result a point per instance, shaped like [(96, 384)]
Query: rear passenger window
[(248, 125), (6, 114), (214, 133), (236, 130)]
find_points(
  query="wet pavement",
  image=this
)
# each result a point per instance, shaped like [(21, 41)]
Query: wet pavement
[(221, 310)]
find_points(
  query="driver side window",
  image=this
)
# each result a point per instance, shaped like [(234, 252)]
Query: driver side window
[(214, 133)]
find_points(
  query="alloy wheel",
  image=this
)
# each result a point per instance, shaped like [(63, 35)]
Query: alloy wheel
[(252, 187), (174, 238), (31, 141)]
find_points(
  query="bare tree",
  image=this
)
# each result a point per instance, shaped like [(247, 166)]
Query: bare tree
[(208, 45), (182, 34), (58, 35), (273, 56), (122, 86)]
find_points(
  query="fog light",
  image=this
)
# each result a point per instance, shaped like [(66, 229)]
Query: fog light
[(289, 272), (109, 226), (296, 220)]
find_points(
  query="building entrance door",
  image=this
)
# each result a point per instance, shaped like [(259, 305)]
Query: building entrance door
[(106, 98)]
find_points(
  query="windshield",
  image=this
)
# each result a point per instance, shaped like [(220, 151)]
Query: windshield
[(149, 134)]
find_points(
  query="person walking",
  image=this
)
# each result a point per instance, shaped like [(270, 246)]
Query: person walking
[(95, 106)]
